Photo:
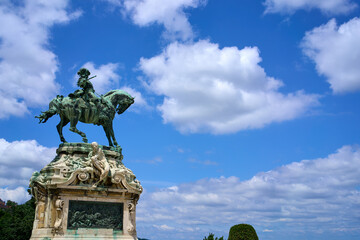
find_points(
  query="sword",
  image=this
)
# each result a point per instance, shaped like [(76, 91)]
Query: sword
[(92, 77)]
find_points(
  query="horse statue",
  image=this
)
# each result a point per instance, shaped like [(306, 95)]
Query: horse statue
[(100, 111)]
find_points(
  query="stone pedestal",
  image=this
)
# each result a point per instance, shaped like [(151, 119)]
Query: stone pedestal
[(81, 195)]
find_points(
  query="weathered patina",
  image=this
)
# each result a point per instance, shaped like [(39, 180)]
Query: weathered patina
[(86, 192), (87, 214), (83, 105)]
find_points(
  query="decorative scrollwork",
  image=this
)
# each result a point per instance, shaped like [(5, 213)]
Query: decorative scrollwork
[(83, 176), (116, 178), (90, 166), (131, 229), (59, 204)]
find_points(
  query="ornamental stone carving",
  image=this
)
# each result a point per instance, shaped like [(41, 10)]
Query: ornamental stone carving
[(131, 229), (85, 191), (86, 165), (59, 204)]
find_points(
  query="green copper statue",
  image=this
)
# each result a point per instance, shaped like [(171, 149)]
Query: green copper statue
[(84, 106)]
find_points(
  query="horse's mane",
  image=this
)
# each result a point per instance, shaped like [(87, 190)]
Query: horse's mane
[(109, 93), (117, 91)]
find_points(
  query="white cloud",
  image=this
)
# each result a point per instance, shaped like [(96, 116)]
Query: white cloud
[(208, 89), (18, 195), (164, 227), (336, 53), (170, 14), (311, 196), (27, 66), (326, 6), (19, 159)]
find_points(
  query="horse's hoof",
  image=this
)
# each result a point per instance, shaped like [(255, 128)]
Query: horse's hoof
[(85, 140)]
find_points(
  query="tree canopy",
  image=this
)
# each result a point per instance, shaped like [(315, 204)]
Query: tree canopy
[(16, 222)]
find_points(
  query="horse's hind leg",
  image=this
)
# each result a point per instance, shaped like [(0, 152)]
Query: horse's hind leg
[(111, 129), (59, 127), (73, 128), (108, 135)]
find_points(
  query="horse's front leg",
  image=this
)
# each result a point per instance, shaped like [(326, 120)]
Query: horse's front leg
[(60, 126), (73, 128)]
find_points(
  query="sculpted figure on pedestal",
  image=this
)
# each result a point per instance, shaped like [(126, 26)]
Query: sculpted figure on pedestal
[(86, 186), (99, 163), (84, 106), (88, 91)]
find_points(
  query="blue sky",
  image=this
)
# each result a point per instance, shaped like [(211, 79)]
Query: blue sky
[(246, 111)]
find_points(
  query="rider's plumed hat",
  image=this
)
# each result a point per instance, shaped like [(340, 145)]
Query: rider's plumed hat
[(83, 71)]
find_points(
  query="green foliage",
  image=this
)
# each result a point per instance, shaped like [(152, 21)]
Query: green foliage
[(211, 237), (10, 203), (242, 232), (16, 222)]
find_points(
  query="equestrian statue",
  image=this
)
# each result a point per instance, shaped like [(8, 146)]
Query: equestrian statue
[(84, 106)]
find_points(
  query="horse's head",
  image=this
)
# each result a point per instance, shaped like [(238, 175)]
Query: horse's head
[(124, 103), (120, 99)]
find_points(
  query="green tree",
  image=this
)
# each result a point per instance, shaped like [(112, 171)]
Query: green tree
[(10, 203), (211, 237), (16, 222), (242, 232)]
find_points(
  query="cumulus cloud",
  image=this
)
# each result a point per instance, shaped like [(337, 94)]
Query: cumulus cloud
[(18, 195), (170, 14), (336, 53), (306, 197), (326, 6), (19, 159), (27, 66), (208, 89)]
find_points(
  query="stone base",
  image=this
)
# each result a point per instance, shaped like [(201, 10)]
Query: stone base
[(80, 234), (72, 203)]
